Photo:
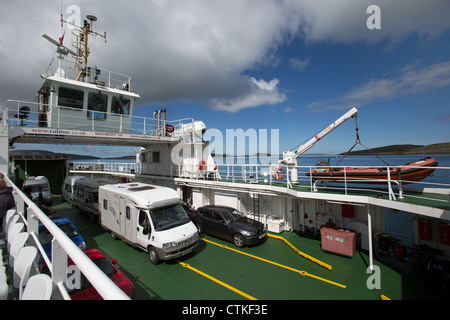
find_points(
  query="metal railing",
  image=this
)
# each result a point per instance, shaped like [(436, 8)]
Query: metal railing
[(62, 248), (27, 114), (265, 174), (66, 69)]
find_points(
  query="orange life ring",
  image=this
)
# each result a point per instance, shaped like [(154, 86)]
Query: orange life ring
[(169, 128), (278, 173)]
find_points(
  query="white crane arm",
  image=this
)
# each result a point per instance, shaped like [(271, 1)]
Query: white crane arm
[(290, 157)]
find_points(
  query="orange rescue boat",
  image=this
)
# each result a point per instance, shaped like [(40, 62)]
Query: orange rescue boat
[(406, 173)]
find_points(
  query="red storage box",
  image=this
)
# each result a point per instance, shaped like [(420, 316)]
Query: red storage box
[(338, 241)]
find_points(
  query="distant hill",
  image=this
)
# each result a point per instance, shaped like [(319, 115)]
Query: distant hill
[(400, 149), (44, 153)]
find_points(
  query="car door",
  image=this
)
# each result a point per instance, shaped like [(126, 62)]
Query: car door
[(143, 229), (222, 229), (206, 222)]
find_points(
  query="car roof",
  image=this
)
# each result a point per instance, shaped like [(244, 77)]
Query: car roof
[(58, 221), (218, 208)]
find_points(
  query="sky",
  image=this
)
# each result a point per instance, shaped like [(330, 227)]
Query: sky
[(294, 66)]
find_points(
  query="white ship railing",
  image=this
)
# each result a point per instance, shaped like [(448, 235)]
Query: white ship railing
[(392, 189), (129, 168), (94, 75), (77, 119), (62, 247)]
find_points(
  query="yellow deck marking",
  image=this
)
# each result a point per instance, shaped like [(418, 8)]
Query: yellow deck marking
[(217, 281), (323, 264), (303, 273)]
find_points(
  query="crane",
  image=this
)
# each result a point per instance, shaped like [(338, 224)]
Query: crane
[(290, 157)]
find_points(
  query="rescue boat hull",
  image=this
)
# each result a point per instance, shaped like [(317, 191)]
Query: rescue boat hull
[(406, 174)]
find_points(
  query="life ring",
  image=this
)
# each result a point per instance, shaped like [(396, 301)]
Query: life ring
[(278, 173), (169, 128)]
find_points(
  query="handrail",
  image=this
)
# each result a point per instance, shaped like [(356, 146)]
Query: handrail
[(76, 119), (262, 174), (62, 247)]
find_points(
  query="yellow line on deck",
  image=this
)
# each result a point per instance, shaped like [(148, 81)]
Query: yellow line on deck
[(217, 281), (303, 273), (323, 264)]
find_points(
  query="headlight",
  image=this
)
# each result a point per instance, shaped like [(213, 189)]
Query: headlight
[(82, 245), (247, 233), (169, 245), (195, 237)]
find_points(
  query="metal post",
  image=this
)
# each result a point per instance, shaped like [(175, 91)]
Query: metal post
[(369, 230)]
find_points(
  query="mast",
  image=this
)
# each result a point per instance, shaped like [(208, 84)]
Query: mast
[(81, 44)]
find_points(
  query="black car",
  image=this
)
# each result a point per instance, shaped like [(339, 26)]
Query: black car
[(229, 224)]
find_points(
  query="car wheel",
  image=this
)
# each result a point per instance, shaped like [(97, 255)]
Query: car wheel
[(153, 255), (239, 240)]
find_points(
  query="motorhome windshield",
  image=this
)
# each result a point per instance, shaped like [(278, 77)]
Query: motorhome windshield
[(168, 217)]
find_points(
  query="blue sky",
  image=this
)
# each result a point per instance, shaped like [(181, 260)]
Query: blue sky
[(295, 66)]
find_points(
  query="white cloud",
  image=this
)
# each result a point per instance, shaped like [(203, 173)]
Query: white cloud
[(261, 92), (412, 79), (298, 64), (199, 50)]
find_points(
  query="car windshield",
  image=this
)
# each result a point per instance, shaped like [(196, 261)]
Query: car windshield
[(35, 188), (233, 215), (168, 217), (45, 237)]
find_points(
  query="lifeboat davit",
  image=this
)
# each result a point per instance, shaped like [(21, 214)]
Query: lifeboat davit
[(406, 173)]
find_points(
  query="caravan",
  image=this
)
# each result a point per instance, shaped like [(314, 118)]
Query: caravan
[(149, 217), (85, 195)]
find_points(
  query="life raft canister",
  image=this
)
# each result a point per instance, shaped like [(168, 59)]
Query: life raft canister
[(278, 173)]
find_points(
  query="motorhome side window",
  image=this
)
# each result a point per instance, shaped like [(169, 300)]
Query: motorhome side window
[(97, 103), (80, 191), (143, 219), (70, 98), (120, 105), (105, 204), (128, 215)]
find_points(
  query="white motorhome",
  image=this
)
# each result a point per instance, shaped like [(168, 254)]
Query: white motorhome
[(68, 187), (85, 195), (38, 189), (149, 217)]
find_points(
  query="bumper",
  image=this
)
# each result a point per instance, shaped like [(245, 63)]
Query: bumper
[(251, 240), (176, 253)]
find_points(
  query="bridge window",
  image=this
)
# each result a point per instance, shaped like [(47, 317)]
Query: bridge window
[(97, 104), (120, 105), (70, 98)]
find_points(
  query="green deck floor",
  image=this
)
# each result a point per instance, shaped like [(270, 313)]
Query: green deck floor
[(259, 279)]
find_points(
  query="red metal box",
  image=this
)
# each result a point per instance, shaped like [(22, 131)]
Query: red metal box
[(338, 241)]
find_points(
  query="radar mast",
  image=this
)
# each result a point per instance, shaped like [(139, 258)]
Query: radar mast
[(81, 45)]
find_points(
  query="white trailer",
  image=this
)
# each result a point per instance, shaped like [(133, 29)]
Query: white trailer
[(149, 217), (85, 195)]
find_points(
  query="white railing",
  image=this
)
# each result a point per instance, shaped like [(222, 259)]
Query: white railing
[(62, 248), (78, 119), (107, 167), (264, 174), (94, 75)]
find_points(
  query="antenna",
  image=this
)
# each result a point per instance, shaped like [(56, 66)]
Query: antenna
[(80, 45), (61, 49)]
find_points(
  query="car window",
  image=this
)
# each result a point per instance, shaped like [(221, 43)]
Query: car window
[(205, 213), (143, 220), (217, 217)]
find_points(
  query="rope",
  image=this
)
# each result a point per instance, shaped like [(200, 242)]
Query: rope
[(358, 141)]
